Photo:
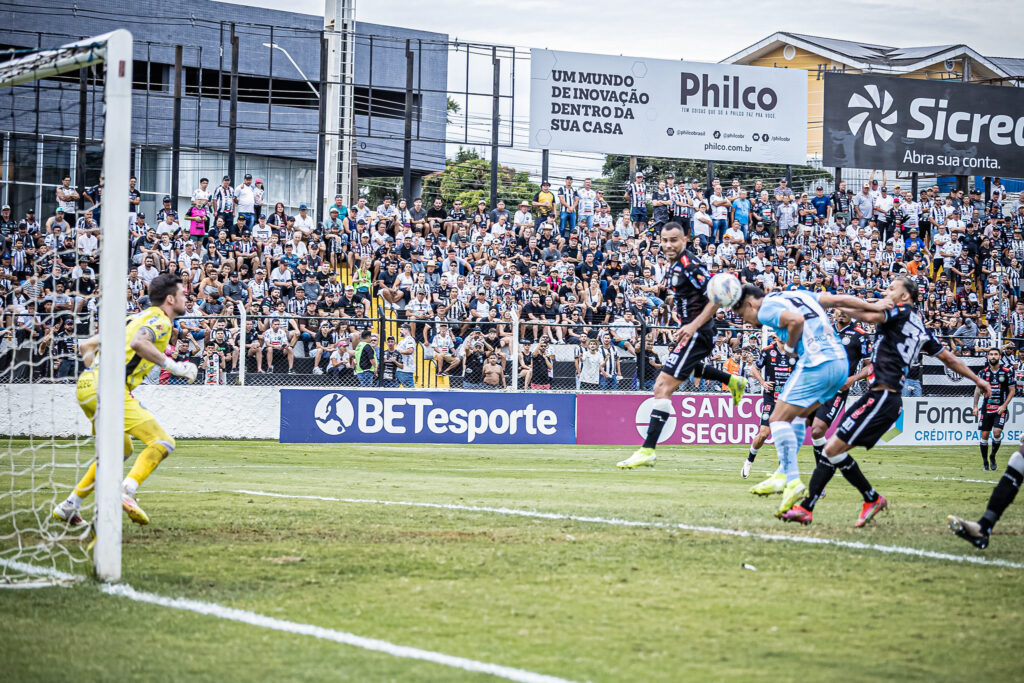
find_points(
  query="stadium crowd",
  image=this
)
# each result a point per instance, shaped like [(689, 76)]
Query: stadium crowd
[(570, 267)]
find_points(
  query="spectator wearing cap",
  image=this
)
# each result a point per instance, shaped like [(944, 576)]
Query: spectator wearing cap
[(245, 201), (164, 209), (544, 201), (57, 223), (223, 201), (169, 224), (303, 224), (636, 194)]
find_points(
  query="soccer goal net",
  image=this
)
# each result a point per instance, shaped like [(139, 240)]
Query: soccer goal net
[(66, 127)]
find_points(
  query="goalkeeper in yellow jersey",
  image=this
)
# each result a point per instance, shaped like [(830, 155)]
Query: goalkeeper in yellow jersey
[(147, 335)]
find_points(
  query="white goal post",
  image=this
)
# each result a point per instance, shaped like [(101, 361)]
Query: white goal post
[(115, 51)]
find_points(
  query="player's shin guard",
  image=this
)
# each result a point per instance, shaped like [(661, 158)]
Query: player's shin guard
[(659, 416), (983, 445), (851, 470), (997, 441), (785, 443), (819, 448), (1004, 492), (159, 444), (800, 431), (822, 475), (712, 373), (85, 485)]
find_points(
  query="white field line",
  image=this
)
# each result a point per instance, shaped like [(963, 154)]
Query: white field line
[(810, 540), (259, 620)]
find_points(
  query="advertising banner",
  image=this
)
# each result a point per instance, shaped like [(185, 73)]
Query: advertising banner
[(697, 419), (659, 107), (353, 416), (943, 127), (947, 422)]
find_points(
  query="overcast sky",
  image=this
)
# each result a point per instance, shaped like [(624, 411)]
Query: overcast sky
[(692, 31)]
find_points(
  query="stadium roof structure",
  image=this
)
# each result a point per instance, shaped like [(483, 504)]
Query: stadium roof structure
[(869, 57)]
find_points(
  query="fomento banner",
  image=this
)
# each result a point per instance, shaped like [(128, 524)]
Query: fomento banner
[(947, 422), (316, 416), (659, 107), (942, 127)]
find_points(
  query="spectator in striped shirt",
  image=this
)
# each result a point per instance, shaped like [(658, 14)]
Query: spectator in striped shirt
[(636, 193), (224, 201), (568, 205)]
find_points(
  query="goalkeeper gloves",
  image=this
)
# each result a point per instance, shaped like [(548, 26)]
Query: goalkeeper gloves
[(186, 370)]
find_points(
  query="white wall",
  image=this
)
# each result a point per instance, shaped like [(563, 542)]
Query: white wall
[(226, 412)]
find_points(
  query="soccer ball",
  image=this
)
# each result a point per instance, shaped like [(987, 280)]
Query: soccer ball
[(724, 290)]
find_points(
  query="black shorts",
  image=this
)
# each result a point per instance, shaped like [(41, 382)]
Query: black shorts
[(828, 412), (870, 417), (766, 411), (990, 421), (684, 358)]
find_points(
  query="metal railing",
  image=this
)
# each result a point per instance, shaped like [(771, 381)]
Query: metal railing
[(492, 354)]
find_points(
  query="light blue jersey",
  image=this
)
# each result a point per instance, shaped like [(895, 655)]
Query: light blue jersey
[(820, 342)]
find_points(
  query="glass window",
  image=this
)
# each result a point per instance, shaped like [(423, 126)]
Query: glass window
[(148, 174), (93, 165), (56, 160), (23, 159), (49, 200), (22, 198), (303, 187)]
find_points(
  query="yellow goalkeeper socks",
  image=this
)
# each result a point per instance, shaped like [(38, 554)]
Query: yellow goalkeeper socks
[(84, 487), (144, 465)]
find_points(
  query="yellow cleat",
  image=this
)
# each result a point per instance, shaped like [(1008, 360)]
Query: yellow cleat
[(642, 457), (793, 492), (132, 509), (737, 386), (770, 486)]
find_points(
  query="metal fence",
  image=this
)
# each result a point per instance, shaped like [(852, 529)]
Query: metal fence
[(281, 349)]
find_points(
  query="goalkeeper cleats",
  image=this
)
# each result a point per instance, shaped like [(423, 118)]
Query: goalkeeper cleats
[(68, 513), (132, 509), (642, 457)]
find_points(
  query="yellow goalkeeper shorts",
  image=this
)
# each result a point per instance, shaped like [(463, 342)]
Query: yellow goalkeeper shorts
[(134, 414)]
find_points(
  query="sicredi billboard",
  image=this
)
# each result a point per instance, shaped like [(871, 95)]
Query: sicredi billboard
[(932, 126), (658, 107)]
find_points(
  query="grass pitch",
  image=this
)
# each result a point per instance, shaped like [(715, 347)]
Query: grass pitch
[(581, 600)]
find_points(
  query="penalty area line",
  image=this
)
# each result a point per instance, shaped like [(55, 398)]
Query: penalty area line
[(612, 521), (296, 628)]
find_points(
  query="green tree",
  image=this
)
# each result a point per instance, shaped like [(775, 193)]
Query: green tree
[(467, 178)]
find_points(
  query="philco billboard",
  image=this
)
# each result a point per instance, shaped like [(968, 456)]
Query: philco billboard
[(659, 107)]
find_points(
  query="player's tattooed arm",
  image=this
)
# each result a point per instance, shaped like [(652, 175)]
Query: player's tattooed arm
[(143, 345)]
